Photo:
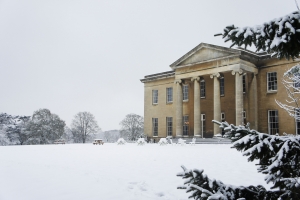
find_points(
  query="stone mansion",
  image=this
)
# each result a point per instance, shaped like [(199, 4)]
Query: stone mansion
[(212, 82)]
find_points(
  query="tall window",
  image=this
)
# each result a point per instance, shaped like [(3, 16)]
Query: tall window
[(273, 122), (202, 88), (223, 120), (185, 125), (222, 116), (222, 87), (155, 126), (244, 117), (244, 83), (203, 125), (272, 81), (297, 78), (297, 114), (169, 95), (169, 126), (185, 91), (154, 96)]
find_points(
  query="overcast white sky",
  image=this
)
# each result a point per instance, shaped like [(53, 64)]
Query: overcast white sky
[(71, 56)]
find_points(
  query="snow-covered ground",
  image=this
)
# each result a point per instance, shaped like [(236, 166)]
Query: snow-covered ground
[(85, 171)]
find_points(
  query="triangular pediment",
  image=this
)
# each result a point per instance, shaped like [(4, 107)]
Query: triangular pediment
[(204, 53)]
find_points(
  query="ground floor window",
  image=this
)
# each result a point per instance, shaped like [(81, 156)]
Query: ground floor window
[(297, 120), (155, 126), (203, 125), (186, 125), (273, 122), (169, 126), (244, 117), (223, 120)]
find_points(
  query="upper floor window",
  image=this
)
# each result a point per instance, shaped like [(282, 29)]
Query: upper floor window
[(185, 90), (272, 81), (222, 87), (169, 95), (202, 88), (244, 83), (154, 96)]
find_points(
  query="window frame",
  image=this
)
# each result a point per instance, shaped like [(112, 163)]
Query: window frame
[(222, 87), (185, 92), (270, 123), (186, 125), (244, 84), (169, 126), (296, 84), (202, 90), (244, 114), (222, 115), (297, 122), (272, 90), (154, 97), (169, 96), (203, 124), (155, 127)]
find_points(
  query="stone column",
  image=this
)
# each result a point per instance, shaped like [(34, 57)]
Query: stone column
[(217, 101), (253, 107), (179, 108), (197, 108), (239, 102)]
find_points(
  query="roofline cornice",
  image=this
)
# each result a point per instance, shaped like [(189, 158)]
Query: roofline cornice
[(158, 76)]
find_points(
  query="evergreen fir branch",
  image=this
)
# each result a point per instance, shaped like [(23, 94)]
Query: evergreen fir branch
[(278, 157), (279, 37)]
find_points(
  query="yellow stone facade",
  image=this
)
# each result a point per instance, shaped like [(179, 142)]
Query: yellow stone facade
[(240, 70)]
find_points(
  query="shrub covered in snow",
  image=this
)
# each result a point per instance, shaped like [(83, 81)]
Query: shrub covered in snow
[(163, 141), (141, 141), (121, 141), (279, 159)]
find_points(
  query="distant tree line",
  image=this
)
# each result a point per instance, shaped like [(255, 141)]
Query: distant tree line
[(44, 127)]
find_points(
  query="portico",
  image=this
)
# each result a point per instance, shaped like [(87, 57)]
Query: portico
[(207, 83)]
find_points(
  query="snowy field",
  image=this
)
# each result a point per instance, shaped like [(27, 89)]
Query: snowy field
[(84, 171)]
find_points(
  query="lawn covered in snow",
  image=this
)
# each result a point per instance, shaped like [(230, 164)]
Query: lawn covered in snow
[(86, 171)]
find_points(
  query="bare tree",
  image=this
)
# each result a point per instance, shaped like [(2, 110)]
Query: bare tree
[(83, 126), (132, 127), (291, 82)]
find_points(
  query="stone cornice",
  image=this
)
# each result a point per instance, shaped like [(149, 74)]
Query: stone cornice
[(158, 76), (197, 78)]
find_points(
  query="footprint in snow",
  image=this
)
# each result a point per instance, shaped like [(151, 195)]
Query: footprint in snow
[(160, 194)]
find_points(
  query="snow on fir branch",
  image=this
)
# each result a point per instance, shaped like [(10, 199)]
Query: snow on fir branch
[(278, 157), (279, 37)]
